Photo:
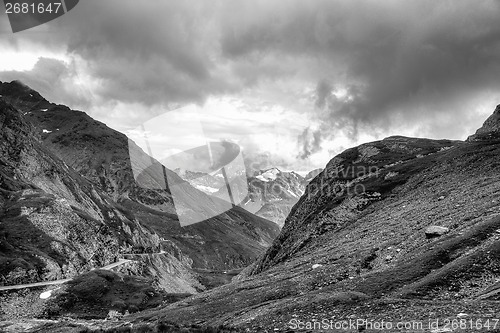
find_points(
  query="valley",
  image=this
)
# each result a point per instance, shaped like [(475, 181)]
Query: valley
[(401, 229), (69, 204)]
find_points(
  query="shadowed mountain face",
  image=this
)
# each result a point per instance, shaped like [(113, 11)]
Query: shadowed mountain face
[(69, 201), (393, 229), (55, 223)]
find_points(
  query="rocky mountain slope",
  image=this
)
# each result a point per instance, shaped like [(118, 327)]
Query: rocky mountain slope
[(490, 129), (55, 223), (69, 203), (397, 229)]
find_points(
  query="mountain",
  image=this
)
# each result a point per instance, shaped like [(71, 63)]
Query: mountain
[(69, 202), (55, 223), (399, 229), (272, 193), (202, 181)]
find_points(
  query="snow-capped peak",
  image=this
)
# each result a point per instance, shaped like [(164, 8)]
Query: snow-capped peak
[(269, 174)]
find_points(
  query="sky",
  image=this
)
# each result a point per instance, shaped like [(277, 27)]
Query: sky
[(292, 82)]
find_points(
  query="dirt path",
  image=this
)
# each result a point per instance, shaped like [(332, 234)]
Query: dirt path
[(142, 254)]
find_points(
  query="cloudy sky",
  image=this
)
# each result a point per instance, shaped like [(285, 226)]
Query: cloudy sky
[(293, 82)]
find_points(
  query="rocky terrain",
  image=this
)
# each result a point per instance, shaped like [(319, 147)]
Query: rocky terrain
[(69, 203), (399, 230)]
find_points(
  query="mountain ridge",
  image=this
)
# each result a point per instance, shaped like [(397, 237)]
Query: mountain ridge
[(490, 128), (356, 244)]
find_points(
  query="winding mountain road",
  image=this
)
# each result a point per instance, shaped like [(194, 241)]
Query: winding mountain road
[(56, 282)]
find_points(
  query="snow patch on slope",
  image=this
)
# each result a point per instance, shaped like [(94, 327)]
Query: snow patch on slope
[(206, 189), (268, 175)]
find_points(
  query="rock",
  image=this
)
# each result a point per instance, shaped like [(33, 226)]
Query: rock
[(435, 231), (388, 258), (462, 315), (316, 266), (113, 315), (490, 128), (441, 197)]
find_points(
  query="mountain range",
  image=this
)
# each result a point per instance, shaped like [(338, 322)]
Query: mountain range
[(69, 203), (401, 229), (271, 192)]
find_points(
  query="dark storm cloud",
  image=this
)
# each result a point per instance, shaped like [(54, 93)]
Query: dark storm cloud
[(309, 142), (323, 93), (54, 80), (149, 52), (417, 60), (146, 52)]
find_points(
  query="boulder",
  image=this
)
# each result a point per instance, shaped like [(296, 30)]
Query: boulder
[(435, 231)]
